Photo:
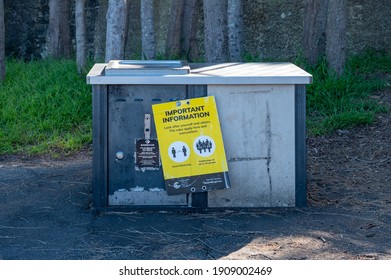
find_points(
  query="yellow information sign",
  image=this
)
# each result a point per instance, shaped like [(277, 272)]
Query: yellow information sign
[(191, 145)]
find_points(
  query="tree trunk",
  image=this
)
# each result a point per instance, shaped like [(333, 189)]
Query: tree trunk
[(336, 41), (115, 32), (2, 42), (174, 35), (100, 32), (81, 47), (189, 47), (58, 37), (147, 29), (215, 24), (235, 29), (315, 18)]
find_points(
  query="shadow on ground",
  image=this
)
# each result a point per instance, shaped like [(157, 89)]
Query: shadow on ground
[(45, 213)]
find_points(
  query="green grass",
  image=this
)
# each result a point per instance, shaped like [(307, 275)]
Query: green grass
[(45, 107), (344, 102)]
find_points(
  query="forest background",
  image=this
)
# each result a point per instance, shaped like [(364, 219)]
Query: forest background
[(197, 30), (46, 104)]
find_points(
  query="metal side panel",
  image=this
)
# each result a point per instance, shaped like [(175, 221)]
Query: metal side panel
[(130, 183), (258, 126), (99, 159), (301, 153)]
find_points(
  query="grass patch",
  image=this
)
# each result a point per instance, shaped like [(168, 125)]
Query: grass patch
[(344, 102), (45, 108)]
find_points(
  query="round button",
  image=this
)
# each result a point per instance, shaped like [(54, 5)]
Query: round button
[(119, 155)]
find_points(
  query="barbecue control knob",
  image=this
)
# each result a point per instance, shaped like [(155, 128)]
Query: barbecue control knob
[(119, 155)]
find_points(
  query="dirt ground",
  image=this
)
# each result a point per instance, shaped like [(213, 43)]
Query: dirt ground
[(45, 211)]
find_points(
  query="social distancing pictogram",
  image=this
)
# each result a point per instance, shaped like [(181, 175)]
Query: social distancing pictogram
[(191, 145)]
